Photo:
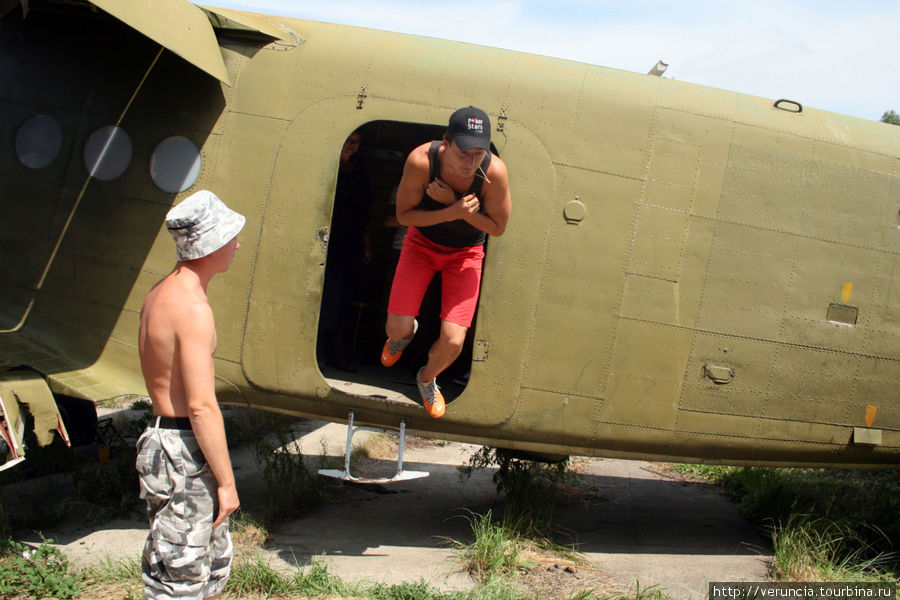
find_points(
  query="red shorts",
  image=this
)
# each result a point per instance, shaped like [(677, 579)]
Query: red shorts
[(460, 270)]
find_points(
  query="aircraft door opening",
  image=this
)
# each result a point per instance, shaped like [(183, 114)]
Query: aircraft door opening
[(364, 243)]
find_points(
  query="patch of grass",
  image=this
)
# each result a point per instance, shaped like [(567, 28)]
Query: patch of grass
[(825, 524), (653, 592), (500, 553), (247, 532), (364, 456), (405, 591), (711, 473), (821, 550), (498, 588), (41, 572), (253, 574), (118, 579), (495, 551), (316, 580)]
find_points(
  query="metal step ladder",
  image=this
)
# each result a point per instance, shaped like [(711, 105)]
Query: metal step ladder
[(345, 475)]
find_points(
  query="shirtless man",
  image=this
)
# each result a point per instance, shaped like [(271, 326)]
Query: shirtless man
[(453, 194), (183, 462)]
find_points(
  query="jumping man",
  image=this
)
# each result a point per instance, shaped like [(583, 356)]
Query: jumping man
[(453, 194)]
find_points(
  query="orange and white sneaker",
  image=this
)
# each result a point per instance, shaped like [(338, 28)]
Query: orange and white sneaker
[(432, 398), (393, 349)]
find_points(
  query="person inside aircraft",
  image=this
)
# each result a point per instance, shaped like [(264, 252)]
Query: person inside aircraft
[(453, 193), (183, 464), (349, 245), (391, 222)]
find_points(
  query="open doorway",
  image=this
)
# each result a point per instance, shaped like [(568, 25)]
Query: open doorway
[(364, 246)]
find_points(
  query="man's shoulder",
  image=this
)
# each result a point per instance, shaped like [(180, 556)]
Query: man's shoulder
[(497, 168), (418, 164), (419, 156), (178, 301)]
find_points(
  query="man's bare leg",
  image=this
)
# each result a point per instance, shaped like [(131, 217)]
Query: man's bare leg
[(399, 327), (400, 330), (444, 351)]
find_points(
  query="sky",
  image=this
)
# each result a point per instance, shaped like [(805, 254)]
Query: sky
[(834, 55)]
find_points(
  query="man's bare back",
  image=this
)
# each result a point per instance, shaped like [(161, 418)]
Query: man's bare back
[(176, 307)]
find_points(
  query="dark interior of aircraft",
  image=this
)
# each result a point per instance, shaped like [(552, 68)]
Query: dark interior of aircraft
[(355, 365)]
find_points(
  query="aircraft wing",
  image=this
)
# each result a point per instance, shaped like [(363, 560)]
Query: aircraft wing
[(26, 389), (224, 18), (179, 26)]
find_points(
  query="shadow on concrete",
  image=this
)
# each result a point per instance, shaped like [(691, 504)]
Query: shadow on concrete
[(632, 512)]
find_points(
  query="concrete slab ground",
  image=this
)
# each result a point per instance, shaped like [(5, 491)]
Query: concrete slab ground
[(630, 521)]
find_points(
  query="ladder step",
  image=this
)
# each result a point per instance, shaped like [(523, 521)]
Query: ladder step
[(401, 476), (345, 475)]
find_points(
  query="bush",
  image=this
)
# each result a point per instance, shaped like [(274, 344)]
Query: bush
[(109, 489), (532, 488), (290, 489)]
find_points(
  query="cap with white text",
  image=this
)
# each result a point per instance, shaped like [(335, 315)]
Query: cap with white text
[(470, 128)]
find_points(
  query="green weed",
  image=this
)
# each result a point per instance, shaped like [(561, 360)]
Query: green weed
[(405, 591), (247, 425), (495, 552), (124, 575), (711, 473), (247, 532), (253, 574), (647, 593), (290, 489), (821, 550), (110, 489), (43, 506), (532, 489), (41, 572), (497, 588)]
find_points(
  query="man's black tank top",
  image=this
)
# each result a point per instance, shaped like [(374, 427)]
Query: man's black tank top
[(458, 233)]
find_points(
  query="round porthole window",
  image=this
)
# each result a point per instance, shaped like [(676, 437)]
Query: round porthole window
[(107, 153), (38, 141), (175, 164)]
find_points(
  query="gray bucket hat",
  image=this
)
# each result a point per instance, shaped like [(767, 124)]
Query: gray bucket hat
[(201, 224)]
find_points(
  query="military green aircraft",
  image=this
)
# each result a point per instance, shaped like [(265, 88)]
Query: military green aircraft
[(688, 274)]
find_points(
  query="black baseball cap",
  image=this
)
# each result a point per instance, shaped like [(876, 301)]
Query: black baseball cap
[(470, 128)]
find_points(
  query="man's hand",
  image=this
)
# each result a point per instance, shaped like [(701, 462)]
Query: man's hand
[(467, 206), (441, 192), (228, 503)]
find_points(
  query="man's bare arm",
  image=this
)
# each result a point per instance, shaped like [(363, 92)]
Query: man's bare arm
[(497, 203), (416, 174), (196, 338)]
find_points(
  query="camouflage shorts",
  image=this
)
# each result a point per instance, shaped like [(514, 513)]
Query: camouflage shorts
[(184, 557)]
